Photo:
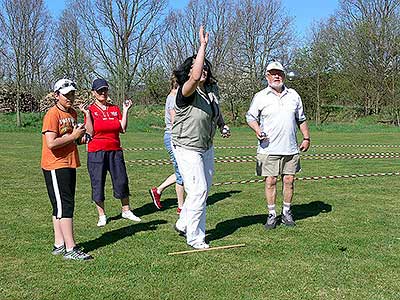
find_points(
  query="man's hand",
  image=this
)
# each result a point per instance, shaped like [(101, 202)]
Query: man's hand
[(305, 144)]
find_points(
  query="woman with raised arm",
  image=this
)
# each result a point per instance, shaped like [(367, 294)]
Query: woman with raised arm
[(197, 114)]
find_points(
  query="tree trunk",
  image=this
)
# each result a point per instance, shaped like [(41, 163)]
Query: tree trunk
[(318, 104)]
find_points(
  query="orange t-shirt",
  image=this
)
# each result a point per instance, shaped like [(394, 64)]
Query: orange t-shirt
[(61, 123)]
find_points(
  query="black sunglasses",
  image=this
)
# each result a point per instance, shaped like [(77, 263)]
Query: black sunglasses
[(102, 90)]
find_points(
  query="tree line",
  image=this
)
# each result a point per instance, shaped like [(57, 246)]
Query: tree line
[(348, 61)]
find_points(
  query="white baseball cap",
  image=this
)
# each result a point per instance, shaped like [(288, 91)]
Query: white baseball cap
[(64, 86), (275, 65)]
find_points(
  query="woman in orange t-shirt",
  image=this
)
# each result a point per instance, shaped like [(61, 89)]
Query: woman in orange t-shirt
[(60, 159)]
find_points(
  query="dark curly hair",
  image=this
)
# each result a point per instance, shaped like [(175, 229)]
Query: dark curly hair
[(182, 72)]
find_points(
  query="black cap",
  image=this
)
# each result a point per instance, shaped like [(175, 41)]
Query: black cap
[(99, 83)]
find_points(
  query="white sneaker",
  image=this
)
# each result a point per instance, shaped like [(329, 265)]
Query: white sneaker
[(130, 216), (102, 221), (200, 245)]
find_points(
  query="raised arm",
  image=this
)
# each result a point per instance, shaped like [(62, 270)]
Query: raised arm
[(88, 118), (125, 108), (197, 69)]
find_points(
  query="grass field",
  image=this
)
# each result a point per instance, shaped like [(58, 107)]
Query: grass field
[(346, 244)]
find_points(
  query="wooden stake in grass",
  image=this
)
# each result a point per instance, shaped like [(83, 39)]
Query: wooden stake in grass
[(209, 249)]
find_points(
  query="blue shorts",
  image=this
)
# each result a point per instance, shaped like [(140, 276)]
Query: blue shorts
[(98, 164), (168, 146)]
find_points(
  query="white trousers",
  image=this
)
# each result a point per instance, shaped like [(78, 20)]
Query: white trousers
[(197, 169)]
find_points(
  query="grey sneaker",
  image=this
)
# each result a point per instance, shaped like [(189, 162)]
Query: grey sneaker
[(287, 219), (179, 231), (58, 250), (77, 254), (271, 222)]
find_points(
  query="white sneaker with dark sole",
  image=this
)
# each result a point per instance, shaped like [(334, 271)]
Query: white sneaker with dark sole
[(58, 250), (77, 254)]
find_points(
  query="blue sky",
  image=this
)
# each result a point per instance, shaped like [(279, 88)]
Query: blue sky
[(305, 11)]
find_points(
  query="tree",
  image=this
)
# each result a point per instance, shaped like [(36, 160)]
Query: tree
[(315, 63), (26, 25), (71, 58), (122, 33), (368, 49)]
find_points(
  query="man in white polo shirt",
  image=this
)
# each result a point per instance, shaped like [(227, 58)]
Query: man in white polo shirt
[(275, 114)]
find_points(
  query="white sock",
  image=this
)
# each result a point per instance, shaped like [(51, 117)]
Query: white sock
[(102, 217), (286, 208), (69, 249), (271, 210), (58, 246), (158, 191)]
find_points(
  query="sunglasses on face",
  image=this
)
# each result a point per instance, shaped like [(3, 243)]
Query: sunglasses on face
[(102, 91), (275, 72)]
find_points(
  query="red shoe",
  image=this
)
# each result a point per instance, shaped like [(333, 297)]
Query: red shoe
[(156, 197), (178, 210)]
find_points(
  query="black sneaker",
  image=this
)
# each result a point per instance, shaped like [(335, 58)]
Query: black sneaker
[(287, 219), (272, 220), (58, 250), (77, 254)]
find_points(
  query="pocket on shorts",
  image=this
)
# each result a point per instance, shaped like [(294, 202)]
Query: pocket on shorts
[(260, 160)]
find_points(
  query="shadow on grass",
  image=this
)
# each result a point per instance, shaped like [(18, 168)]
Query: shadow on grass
[(113, 236), (150, 208), (312, 209), (225, 228), (169, 203), (216, 197), (300, 211)]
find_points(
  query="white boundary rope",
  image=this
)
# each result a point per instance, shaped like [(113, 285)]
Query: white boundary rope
[(251, 147), (312, 178), (249, 158)]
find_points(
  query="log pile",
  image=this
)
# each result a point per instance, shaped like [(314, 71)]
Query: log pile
[(49, 100), (8, 100)]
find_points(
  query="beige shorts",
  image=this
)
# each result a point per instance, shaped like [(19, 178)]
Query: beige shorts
[(275, 165)]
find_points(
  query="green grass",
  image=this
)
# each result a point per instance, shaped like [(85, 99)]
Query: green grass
[(346, 244)]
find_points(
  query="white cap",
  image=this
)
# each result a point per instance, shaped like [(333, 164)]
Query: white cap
[(275, 65), (64, 86)]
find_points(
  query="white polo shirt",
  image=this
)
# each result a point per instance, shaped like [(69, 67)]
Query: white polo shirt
[(277, 117)]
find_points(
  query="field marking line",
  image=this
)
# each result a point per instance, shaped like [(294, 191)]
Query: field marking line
[(313, 178), (251, 158), (209, 249), (255, 146)]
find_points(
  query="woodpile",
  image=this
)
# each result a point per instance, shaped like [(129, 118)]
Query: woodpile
[(8, 100), (81, 97), (28, 103)]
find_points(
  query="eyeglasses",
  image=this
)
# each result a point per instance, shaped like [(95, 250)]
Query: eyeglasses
[(67, 84), (102, 90), (275, 72)]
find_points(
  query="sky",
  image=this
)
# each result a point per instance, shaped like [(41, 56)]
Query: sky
[(305, 12)]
